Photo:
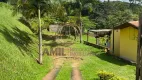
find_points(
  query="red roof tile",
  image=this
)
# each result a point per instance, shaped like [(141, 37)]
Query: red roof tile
[(135, 23)]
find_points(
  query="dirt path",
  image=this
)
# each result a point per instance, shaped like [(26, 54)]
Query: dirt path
[(53, 73), (76, 74)]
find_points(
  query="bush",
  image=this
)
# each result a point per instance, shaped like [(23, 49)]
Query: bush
[(4, 5), (87, 23), (105, 75), (117, 78)]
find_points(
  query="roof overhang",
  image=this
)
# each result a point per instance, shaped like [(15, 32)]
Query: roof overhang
[(134, 24), (101, 30)]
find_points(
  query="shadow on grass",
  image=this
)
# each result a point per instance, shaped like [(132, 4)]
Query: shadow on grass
[(22, 20), (95, 79), (112, 59), (20, 38), (55, 44), (48, 37), (53, 39)]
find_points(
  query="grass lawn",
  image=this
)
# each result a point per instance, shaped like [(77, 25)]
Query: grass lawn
[(91, 64), (19, 50), (65, 72), (90, 39)]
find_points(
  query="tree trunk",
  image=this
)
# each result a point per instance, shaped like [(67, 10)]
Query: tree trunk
[(69, 32), (108, 0), (40, 37), (139, 51), (80, 28)]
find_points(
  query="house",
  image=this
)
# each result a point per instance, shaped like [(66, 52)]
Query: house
[(125, 41), (54, 27)]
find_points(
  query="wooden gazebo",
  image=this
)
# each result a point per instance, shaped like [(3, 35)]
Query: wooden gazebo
[(99, 33)]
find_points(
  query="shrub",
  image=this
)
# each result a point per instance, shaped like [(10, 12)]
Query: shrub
[(4, 5), (87, 23), (117, 78), (105, 75)]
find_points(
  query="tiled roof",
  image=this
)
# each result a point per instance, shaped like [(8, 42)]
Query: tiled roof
[(134, 24)]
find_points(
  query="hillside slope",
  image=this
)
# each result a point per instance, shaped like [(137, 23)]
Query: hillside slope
[(18, 49)]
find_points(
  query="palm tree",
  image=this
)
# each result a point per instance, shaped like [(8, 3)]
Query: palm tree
[(78, 9), (34, 8)]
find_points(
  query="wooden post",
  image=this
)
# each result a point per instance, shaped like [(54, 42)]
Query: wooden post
[(87, 35), (113, 39), (96, 38), (139, 52)]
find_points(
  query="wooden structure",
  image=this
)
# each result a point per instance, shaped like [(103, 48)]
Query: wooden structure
[(99, 33), (139, 52)]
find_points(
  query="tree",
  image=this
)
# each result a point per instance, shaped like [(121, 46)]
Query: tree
[(108, 15), (79, 7), (85, 5), (31, 9), (59, 12)]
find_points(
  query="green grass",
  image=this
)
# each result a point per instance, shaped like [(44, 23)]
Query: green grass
[(92, 64), (65, 72), (90, 39), (19, 50)]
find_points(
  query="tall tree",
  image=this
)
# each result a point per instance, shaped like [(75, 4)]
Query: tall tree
[(77, 6), (35, 8), (80, 9)]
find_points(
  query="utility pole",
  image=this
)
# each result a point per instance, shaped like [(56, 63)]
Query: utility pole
[(87, 35)]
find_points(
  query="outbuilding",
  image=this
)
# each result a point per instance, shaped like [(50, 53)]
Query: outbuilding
[(125, 41)]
